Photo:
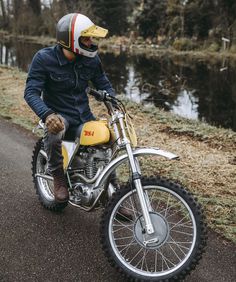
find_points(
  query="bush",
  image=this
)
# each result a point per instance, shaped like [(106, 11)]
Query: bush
[(184, 44), (214, 47), (233, 48)]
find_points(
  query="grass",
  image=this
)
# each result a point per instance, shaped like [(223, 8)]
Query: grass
[(207, 163)]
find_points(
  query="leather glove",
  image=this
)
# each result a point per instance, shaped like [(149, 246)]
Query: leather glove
[(54, 123)]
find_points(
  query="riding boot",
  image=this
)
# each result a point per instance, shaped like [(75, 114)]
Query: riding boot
[(60, 187)]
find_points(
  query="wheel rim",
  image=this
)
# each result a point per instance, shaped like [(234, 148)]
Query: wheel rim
[(178, 234), (45, 186)]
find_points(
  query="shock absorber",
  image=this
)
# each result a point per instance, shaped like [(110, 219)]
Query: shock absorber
[(107, 154)]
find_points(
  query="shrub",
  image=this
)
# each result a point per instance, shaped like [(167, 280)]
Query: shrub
[(213, 47), (233, 48), (184, 44)]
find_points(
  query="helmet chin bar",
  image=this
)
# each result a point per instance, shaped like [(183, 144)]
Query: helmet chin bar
[(87, 51)]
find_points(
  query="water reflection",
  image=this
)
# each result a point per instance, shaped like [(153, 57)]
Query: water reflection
[(186, 104), (197, 90), (18, 54)]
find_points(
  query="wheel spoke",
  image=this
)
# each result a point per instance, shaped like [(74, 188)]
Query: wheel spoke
[(167, 205), (122, 238), (178, 246), (152, 196), (182, 224), (125, 226), (128, 246), (156, 261), (182, 232), (177, 211), (125, 245), (135, 211), (170, 207), (121, 228), (175, 253), (136, 254), (165, 259), (128, 209), (144, 259), (158, 203)]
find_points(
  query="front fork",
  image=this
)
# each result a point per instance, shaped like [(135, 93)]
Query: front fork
[(143, 198), (136, 178)]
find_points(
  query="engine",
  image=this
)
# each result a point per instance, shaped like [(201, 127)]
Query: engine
[(85, 169)]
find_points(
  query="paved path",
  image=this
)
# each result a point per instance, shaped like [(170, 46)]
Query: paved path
[(38, 245)]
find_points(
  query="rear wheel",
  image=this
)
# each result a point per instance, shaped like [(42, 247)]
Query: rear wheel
[(44, 187), (177, 243)]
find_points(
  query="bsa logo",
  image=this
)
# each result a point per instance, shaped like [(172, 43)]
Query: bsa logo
[(88, 133)]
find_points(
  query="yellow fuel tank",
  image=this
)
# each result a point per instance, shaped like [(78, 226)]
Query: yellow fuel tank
[(95, 133)]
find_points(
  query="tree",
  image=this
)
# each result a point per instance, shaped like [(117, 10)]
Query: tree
[(76, 6), (112, 15), (198, 18), (151, 17), (4, 17), (35, 6)]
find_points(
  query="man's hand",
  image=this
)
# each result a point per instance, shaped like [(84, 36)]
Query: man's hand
[(54, 123)]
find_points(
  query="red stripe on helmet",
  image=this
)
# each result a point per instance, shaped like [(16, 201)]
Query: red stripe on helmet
[(72, 31)]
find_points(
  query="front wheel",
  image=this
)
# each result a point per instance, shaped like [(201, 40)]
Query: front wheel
[(177, 243)]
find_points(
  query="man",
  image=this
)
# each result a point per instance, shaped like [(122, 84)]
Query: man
[(61, 74)]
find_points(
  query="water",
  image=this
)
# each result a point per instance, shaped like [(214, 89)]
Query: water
[(197, 90)]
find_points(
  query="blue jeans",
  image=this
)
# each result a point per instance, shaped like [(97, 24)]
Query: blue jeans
[(52, 144)]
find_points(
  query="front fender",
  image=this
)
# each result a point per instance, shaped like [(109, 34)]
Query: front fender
[(121, 159)]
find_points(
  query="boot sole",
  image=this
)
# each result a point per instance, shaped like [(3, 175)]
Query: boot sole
[(61, 201)]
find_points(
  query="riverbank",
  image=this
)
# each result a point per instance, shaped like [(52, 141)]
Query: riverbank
[(208, 159), (117, 45)]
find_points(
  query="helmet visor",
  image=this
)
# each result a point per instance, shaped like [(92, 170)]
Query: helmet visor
[(94, 31)]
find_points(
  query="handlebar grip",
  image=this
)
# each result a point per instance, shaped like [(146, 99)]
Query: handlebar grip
[(96, 94)]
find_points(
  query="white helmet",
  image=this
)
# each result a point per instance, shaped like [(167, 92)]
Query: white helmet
[(71, 27)]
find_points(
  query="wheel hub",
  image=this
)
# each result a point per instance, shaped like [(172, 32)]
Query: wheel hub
[(160, 235)]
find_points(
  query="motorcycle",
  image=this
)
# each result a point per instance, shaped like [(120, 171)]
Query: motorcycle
[(152, 229)]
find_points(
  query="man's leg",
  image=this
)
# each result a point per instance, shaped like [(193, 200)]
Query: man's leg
[(52, 145)]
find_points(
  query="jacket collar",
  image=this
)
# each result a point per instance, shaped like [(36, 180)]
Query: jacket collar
[(60, 56), (63, 61)]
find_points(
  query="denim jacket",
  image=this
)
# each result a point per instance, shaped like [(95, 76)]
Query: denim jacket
[(62, 84)]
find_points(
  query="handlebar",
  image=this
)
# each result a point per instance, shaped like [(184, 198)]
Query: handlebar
[(99, 95), (111, 102)]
